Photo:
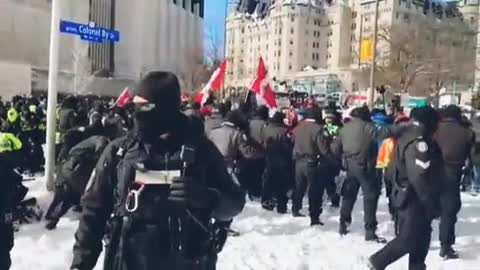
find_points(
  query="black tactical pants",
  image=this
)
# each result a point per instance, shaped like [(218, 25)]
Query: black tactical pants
[(359, 176), (414, 239), (450, 204), (330, 185), (308, 174), (276, 186), (6, 244), (250, 176), (61, 203)]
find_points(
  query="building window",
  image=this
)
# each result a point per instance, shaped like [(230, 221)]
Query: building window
[(291, 31), (291, 42), (354, 25), (291, 53), (280, 31), (289, 66), (313, 56), (292, 19)]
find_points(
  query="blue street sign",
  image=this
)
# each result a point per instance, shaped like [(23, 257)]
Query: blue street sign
[(89, 32)]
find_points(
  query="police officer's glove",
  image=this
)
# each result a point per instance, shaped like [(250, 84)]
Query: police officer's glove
[(186, 192)]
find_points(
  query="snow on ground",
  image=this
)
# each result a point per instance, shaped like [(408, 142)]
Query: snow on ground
[(268, 241)]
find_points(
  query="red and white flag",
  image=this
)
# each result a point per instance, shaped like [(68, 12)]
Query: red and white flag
[(215, 83), (124, 98), (261, 86)]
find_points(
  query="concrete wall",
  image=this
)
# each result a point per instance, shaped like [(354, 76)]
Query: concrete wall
[(15, 79), (25, 31), (158, 35)]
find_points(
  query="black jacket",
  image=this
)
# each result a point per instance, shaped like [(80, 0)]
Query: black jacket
[(146, 242), (419, 166), (77, 169), (278, 145), (357, 141), (309, 141), (455, 141)]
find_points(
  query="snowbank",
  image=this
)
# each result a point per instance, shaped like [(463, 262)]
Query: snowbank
[(268, 242)]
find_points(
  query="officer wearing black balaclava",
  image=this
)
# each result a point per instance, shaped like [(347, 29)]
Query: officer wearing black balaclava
[(417, 182), (159, 187)]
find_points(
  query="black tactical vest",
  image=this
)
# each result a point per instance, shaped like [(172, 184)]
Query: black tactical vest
[(155, 215)]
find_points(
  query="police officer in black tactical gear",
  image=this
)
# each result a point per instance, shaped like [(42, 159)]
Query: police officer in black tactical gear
[(312, 156), (456, 141), (279, 164), (159, 188), (417, 181), (357, 143)]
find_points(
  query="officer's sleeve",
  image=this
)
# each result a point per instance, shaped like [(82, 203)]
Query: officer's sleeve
[(97, 203), (337, 146), (418, 165), (322, 144), (231, 196), (248, 149)]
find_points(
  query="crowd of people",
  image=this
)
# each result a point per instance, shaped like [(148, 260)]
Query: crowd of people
[(160, 181)]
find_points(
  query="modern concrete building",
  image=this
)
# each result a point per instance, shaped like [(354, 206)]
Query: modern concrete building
[(154, 35), (310, 41)]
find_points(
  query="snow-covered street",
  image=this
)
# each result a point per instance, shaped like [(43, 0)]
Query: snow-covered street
[(268, 241)]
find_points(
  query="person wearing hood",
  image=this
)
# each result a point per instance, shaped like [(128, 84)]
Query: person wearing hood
[(159, 187), (357, 144), (456, 150), (279, 164), (417, 185), (235, 145), (312, 156)]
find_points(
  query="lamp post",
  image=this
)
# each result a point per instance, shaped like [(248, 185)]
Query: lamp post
[(371, 94), (52, 92)]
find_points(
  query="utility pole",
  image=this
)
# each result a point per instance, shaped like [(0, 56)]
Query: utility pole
[(371, 94), (52, 93)]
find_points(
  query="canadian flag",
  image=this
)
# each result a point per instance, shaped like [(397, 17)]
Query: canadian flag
[(261, 86), (215, 83), (124, 98)]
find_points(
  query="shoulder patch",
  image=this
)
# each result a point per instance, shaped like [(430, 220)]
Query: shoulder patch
[(422, 164), (422, 147)]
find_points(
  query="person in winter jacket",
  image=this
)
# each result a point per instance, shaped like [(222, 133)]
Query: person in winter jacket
[(73, 176)]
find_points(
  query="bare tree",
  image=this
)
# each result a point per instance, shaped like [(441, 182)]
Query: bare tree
[(214, 47), (82, 70), (195, 71), (423, 56)]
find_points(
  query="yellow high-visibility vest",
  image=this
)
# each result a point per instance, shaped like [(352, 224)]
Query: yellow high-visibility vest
[(9, 142), (12, 115)]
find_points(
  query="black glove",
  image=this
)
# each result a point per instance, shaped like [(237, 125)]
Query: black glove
[(186, 192)]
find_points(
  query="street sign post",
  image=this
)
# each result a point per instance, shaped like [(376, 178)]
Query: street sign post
[(89, 32)]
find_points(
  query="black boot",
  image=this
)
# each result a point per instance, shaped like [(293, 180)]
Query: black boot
[(281, 209), (370, 236), (297, 214), (448, 253), (52, 224), (315, 221), (335, 201), (343, 229)]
